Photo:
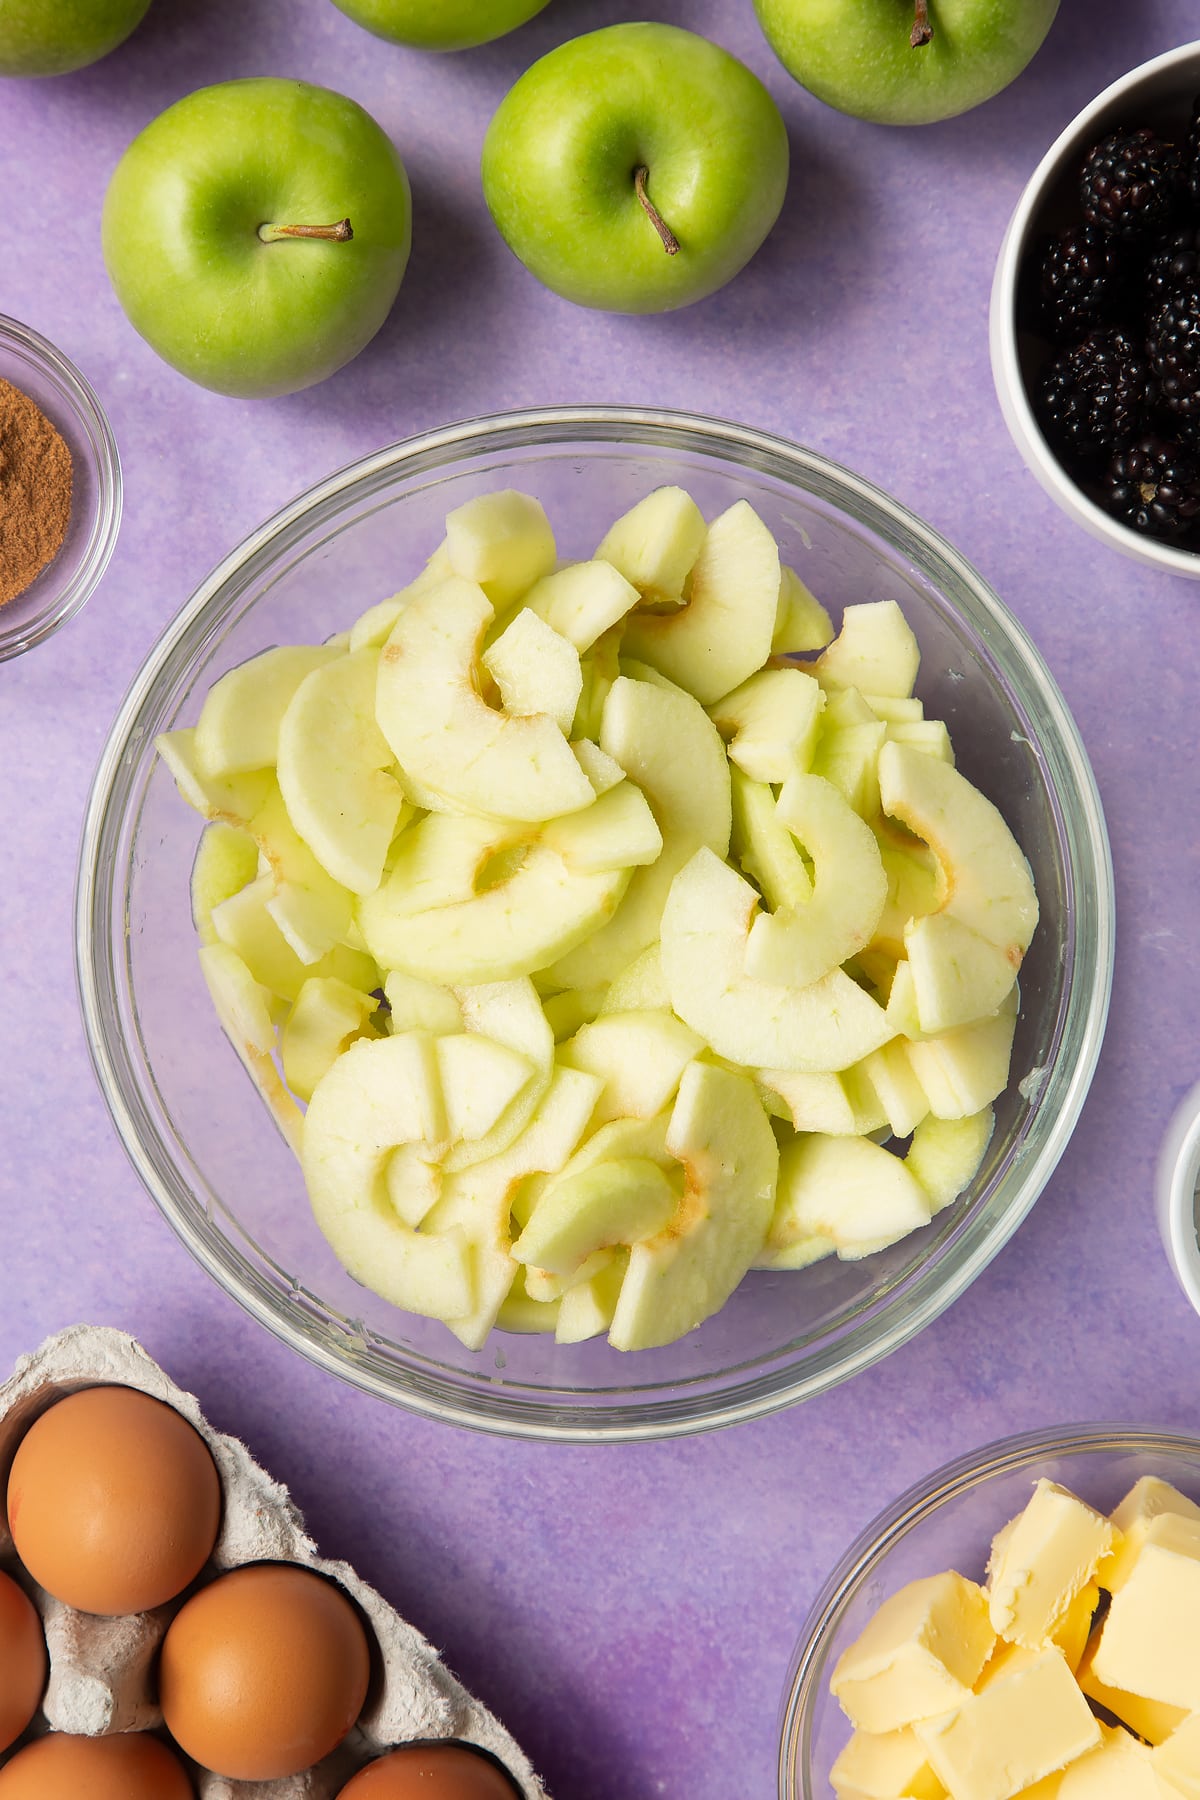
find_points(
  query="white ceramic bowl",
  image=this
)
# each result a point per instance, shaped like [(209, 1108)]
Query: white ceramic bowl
[(1160, 94)]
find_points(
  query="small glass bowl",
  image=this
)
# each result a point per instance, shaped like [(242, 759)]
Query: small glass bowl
[(30, 362), (948, 1522), (192, 1123)]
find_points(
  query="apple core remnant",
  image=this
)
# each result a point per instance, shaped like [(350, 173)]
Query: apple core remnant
[(35, 491)]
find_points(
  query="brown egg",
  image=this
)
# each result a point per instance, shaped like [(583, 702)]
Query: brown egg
[(59, 1767), (431, 1772), (113, 1501), (22, 1661), (264, 1672)]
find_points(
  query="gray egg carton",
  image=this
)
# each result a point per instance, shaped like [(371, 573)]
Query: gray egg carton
[(102, 1670)]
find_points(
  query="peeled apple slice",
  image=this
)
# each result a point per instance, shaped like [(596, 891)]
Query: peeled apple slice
[(945, 1154), (764, 847), (442, 732), (875, 651), (503, 541), (312, 910), (705, 930), (770, 723), (507, 1013), (327, 1015), (226, 862), (600, 1208), (964, 1070), (536, 670), (847, 1189), (243, 1009), (655, 544), (801, 622), (582, 601), (723, 634), (803, 943), (333, 771), (639, 1056), (957, 975), (687, 1271), (238, 727), (232, 798)]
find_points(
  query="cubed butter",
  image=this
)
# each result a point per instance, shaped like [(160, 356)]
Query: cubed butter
[(919, 1655), (1026, 1724), (1177, 1761), (1043, 1562), (1145, 1501), (1150, 1641), (1119, 1768), (1074, 1628), (1151, 1719), (889, 1766)]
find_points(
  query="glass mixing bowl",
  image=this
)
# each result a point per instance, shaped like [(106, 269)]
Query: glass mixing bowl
[(194, 1126), (948, 1522)]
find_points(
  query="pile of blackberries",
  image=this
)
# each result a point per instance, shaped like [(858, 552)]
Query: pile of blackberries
[(1119, 296)]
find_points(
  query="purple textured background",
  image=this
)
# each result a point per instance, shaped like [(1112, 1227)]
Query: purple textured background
[(628, 1611)]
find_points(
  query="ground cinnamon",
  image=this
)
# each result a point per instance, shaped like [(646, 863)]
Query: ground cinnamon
[(35, 491)]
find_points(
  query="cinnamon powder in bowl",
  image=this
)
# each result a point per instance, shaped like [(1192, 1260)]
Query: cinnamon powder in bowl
[(60, 489)]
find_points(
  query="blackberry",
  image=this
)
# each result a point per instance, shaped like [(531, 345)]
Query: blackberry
[(1173, 262), (1173, 344), (1153, 486), (1082, 282), (1096, 396), (1133, 184)]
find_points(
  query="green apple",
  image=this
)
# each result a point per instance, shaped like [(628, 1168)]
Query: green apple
[(905, 62), (440, 24), (636, 168), (53, 37), (256, 234)]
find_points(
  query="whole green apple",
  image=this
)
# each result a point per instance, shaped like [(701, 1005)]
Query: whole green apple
[(256, 234), (53, 37), (636, 168), (440, 24), (905, 62)]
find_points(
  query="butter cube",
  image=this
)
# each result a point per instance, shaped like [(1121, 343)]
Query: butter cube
[(1149, 1718), (1177, 1762), (1043, 1562), (1071, 1633), (919, 1655), (1150, 1641), (1119, 1768), (1024, 1726), (1145, 1501), (889, 1766)]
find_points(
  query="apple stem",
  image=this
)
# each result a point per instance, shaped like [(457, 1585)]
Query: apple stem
[(670, 242), (341, 233), (922, 30)]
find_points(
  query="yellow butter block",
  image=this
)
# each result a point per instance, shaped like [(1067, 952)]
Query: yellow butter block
[(1150, 1641), (1144, 1502), (919, 1655), (1074, 1628), (1151, 1719), (1042, 1562), (1177, 1761), (1119, 1768), (1025, 1725), (889, 1766)]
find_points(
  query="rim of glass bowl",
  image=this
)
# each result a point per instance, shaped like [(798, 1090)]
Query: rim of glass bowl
[(612, 1413), (91, 419), (1004, 1457)]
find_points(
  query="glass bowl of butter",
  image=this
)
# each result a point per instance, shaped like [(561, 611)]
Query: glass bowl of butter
[(1026, 1622)]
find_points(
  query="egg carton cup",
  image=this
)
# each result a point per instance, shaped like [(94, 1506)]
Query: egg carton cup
[(102, 1670)]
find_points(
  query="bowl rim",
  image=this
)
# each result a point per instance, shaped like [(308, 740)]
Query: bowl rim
[(1007, 375), (93, 425), (1003, 1456), (1085, 847)]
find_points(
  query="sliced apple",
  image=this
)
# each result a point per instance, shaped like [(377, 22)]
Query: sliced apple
[(945, 1154), (846, 1189), (895, 709), (600, 667), (446, 738), (723, 634), (888, 1074), (372, 629), (521, 1312), (686, 1272), (814, 1101), (964, 1070), (915, 887), (655, 544), (600, 1208), (238, 727), (640, 1057), (226, 861), (419, 1005), (234, 799), (567, 1012), (501, 540), (618, 831), (587, 1307), (312, 910), (800, 944), (848, 756), (875, 651), (327, 1016), (957, 975), (705, 929), (582, 601), (640, 987), (597, 765), (989, 886), (479, 1080), (671, 750), (507, 1013), (245, 924), (929, 736), (536, 670), (543, 1284), (801, 622), (770, 723), (243, 1008), (764, 847), (334, 771)]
